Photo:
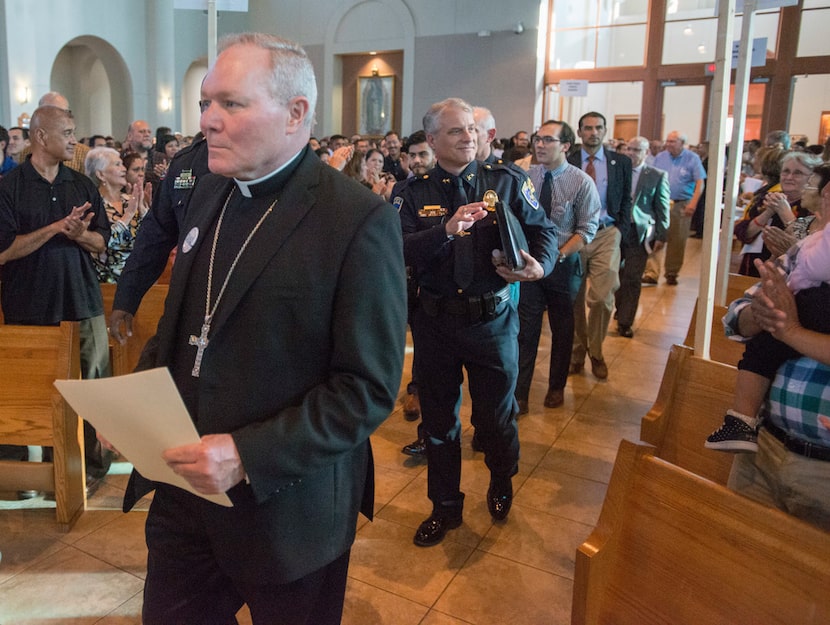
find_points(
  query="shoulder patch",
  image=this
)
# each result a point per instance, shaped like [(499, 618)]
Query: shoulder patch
[(397, 203), (529, 193)]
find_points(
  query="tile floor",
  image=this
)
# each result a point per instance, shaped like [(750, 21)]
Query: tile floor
[(483, 573)]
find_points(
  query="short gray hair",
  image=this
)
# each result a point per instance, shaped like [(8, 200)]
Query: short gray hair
[(292, 71), (805, 159), (487, 121), (644, 143), (97, 159), (431, 124)]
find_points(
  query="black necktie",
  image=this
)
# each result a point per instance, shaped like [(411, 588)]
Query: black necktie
[(464, 263), (545, 192)]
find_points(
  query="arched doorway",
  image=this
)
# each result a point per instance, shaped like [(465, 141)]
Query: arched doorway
[(94, 78), (191, 92)]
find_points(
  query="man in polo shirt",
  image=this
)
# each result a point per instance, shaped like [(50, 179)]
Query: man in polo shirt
[(51, 219), (686, 176)]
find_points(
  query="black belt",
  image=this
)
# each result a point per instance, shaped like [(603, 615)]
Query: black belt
[(797, 445), (474, 307)]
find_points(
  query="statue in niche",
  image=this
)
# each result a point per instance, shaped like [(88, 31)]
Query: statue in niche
[(376, 105)]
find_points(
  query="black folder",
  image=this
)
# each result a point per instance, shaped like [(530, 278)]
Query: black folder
[(513, 238)]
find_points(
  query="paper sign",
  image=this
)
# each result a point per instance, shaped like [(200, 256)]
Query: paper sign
[(221, 5), (578, 88), (141, 414)]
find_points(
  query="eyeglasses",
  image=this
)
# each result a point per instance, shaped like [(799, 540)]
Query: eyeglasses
[(546, 139), (794, 173)]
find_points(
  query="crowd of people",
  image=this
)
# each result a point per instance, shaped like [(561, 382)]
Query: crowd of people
[(285, 335)]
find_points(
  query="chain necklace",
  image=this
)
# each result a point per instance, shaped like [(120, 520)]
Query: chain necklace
[(201, 341)]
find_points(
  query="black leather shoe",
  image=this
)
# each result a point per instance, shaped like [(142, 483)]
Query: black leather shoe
[(93, 484), (432, 531), (625, 331), (416, 448), (499, 499), (412, 407), (523, 407), (555, 397)]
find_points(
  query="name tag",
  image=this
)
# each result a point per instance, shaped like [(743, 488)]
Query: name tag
[(433, 210)]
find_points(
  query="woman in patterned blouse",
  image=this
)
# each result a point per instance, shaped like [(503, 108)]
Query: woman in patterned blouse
[(124, 210)]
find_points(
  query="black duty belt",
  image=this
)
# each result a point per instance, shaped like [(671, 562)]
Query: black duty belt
[(473, 307), (797, 445)]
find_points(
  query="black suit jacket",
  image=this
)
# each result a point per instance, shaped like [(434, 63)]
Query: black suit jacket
[(618, 198), (650, 213), (304, 362)]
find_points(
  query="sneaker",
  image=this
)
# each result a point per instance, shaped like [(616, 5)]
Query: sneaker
[(733, 435)]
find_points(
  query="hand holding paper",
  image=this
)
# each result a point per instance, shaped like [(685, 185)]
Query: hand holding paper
[(211, 466), (142, 415)]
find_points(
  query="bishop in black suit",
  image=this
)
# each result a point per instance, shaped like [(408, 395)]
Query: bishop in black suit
[(284, 331)]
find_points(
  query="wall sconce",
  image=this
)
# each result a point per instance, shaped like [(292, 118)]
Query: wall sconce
[(167, 103), (23, 94), (375, 70)]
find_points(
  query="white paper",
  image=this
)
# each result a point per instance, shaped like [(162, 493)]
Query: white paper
[(756, 247), (751, 185), (141, 414)]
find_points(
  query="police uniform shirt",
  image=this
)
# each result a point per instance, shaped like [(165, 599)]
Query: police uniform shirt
[(425, 203)]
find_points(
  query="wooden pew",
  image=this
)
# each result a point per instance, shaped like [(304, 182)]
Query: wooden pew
[(32, 412), (722, 349), (125, 357), (694, 395), (672, 548)]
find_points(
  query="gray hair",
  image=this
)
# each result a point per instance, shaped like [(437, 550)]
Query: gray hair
[(644, 143), (431, 123), (805, 159), (97, 159), (292, 71), (485, 121), (776, 137)]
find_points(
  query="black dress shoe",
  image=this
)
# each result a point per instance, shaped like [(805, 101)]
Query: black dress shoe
[(625, 331), (416, 448), (555, 397), (412, 407), (476, 443), (93, 484), (432, 531), (523, 407), (499, 499)]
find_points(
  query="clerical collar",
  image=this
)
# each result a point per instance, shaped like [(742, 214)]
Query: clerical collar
[(269, 183), (639, 167)]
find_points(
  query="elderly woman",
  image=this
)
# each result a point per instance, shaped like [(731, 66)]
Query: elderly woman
[(791, 468), (777, 208), (125, 211)]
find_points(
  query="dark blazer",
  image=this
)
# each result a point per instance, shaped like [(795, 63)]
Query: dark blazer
[(618, 198), (304, 362), (650, 213)]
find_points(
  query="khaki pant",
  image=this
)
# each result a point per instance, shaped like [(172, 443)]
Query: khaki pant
[(677, 236), (601, 279), (779, 478)]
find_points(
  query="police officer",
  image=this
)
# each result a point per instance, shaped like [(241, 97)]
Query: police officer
[(465, 317), (158, 235)]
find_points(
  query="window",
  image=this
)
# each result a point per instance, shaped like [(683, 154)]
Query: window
[(597, 33)]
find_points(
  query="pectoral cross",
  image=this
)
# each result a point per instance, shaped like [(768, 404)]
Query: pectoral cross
[(200, 342)]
